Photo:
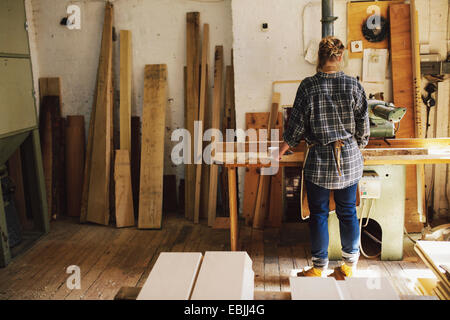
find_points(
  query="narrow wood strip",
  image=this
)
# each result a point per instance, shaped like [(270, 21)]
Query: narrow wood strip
[(123, 195), (125, 89)]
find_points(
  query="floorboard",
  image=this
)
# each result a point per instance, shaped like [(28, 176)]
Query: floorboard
[(110, 258)]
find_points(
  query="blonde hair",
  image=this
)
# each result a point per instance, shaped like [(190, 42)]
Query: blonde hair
[(330, 48)]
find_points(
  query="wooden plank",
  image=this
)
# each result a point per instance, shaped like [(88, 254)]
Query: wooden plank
[(234, 222), (440, 203), (404, 96), (215, 124), (75, 152), (152, 153), (198, 145), (135, 160), (262, 197), (192, 99), (123, 194), (99, 179), (225, 276), (50, 87), (125, 89), (204, 193), (172, 277)]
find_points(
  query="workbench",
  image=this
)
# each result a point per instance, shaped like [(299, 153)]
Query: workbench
[(377, 153)]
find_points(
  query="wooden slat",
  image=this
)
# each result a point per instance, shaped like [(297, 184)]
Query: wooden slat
[(198, 146), (123, 189), (152, 153), (441, 130), (75, 151), (204, 192), (125, 89), (215, 123), (192, 99), (135, 160), (50, 87), (404, 96), (99, 177), (262, 197)]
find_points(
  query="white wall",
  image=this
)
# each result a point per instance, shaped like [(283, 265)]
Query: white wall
[(158, 36)]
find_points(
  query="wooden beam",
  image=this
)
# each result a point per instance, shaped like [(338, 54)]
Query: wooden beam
[(215, 124), (75, 152), (198, 145), (404, 94), (192, 99), (123, 189), (99, 178), (125, 89), (152, 152)]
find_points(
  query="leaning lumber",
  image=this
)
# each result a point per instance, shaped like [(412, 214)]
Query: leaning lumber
[(152, 149), (192, 99), (99, 176), (198, 145), (125, 90), (123, 191), (215, 124), (75, 151)]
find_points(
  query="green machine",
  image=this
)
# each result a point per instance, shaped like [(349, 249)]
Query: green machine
[(382, 191), (383, 118), (18, 120)]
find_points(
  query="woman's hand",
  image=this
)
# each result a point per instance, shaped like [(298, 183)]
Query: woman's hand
[(284, 147)]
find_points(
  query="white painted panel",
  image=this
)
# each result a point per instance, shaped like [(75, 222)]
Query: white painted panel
[(315, 288), (172, 276), (371, 289), (225, 276)]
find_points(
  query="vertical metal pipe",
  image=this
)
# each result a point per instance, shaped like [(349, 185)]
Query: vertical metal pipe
[(327, 18)]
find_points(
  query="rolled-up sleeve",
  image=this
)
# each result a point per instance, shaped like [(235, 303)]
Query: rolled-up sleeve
[(296, 125), (361, 113)]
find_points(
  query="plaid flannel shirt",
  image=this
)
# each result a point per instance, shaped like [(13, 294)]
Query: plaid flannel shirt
[(330, 107)]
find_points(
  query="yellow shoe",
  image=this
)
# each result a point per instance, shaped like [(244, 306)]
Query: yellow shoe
[(342, 272), (311, 272)]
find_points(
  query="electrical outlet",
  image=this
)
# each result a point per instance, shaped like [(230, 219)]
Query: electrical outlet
[(264, 26), (357, 46)]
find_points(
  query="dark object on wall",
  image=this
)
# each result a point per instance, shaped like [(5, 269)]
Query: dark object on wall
[(170, 201), (135, 160), (75, 153), (375, 32)]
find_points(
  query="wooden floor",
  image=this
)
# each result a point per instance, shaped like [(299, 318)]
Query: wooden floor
[(110, 258)]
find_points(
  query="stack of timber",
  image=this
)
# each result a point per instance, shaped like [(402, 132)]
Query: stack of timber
[(96, 185), (436, 256), (75, 152), (152, 152), (51, 127)]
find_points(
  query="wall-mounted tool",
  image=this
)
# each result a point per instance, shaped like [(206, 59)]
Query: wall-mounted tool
[(384, 119), (429, 102)]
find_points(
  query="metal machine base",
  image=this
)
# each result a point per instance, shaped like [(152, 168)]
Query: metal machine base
[(388, 212)]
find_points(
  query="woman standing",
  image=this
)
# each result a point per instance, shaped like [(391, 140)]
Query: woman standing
[(330, 112)]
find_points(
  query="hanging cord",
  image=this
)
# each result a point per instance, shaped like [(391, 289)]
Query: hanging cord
[(360, 229)]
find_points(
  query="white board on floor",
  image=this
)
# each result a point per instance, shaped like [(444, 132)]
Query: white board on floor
[(172, 276), (370, 289), (225, 276), (314, 288)]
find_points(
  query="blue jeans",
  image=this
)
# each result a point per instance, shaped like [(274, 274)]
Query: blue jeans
[(318, 201)]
